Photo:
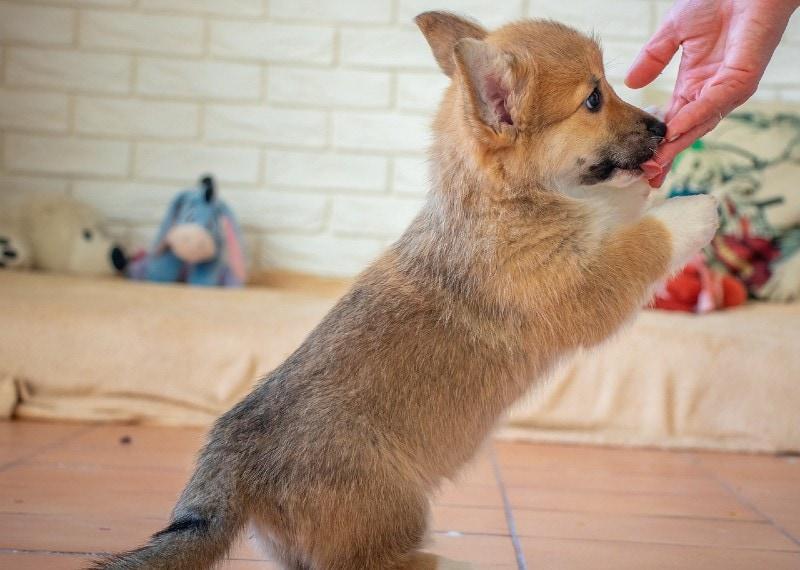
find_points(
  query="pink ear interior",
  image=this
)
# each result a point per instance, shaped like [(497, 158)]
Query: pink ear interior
[(234, 249), (497, 98)]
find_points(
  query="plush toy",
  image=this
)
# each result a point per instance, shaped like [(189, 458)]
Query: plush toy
[(751, 164), (199, 242), (66, 236), (699, 288), (15, 251)]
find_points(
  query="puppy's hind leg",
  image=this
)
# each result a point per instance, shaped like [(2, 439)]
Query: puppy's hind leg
[(379, 525), (276, 542)]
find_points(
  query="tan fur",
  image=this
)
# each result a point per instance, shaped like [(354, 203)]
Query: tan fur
[(334, 454)]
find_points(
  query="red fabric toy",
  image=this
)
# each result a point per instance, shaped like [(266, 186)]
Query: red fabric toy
[(700, 289)]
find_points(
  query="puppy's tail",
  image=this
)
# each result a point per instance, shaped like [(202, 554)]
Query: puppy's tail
[(204, 523)]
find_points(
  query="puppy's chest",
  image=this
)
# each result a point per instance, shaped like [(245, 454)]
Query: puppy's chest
[(609, 207)]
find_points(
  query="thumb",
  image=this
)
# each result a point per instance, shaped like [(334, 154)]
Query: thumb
[(653, 57)]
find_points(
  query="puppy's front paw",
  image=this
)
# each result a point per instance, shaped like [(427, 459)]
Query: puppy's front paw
[(692, 222), (784, 285)]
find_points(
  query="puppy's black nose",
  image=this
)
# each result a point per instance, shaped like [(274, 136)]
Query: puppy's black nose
[(655, 127)]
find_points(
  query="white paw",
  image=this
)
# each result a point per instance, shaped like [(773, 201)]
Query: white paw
[(784, 285), (692, 222)]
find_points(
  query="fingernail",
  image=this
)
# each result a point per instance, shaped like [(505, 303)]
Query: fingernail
[(673, 138)]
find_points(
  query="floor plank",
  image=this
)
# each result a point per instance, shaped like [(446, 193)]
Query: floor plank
[(602, 555), (655, 530), (70, 490), (714, 506)]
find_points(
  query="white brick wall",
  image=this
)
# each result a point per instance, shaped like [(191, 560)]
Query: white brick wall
[(420, 91), (386, 217), (619, 19), (410, 175), (381, 131), (366, 11), (68, 70), (65, 155), (136, 117), (198, 80), (333, 171), (488, 13), (33, 110), (266, 125), (141, 32), (182, 162), (384, 47), (329, 87), (36, 24), (272, 42), (220, 7), (313, 114)]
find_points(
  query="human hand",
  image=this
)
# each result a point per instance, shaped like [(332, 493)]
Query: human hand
[(727, 45)]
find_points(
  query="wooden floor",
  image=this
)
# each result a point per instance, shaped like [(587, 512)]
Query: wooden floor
[(70, 491)]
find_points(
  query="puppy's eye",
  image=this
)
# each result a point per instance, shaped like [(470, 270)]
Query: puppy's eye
[(87, 234), (594, 101)]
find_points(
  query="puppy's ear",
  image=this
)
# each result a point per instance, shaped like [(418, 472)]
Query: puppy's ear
[(443, 30), (488, 83)]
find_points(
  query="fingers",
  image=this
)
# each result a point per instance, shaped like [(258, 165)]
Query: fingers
[(656, 170), (677, 142), (694, 116), (721, 95), (658, 180), (653, 58)]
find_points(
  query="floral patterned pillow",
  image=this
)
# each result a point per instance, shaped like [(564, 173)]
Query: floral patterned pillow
[(751, 163)]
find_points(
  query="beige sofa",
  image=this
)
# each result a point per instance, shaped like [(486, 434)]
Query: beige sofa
[(725, 380), (113, 350), (92, 349)]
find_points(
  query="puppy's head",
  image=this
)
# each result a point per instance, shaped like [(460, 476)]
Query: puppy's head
[(531, 101)]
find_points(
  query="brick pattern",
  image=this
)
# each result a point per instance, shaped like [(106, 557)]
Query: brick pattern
[(313, 114)]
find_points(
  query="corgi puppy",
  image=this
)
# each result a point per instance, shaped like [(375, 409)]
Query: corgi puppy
[(506, 270)]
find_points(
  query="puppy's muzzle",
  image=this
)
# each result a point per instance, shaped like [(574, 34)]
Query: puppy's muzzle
[(629, 153), (642, 144)]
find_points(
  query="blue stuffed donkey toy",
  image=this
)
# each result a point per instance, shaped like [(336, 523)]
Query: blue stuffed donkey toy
[(199, 242)]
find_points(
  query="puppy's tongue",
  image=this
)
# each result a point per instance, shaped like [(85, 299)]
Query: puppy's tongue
[(651, 169)]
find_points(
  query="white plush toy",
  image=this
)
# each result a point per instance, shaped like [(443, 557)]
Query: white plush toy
[(66, 236)]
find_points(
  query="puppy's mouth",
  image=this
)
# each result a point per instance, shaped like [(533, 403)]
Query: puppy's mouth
[(606, 169), (609, 168)]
